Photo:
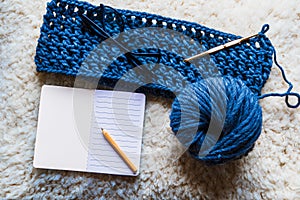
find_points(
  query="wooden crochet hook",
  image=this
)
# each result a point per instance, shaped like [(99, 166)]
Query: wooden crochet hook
[(221, 47)]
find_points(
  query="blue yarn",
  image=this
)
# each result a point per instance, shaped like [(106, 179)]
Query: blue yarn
[(243, 120), (65, 43), (288, 93)]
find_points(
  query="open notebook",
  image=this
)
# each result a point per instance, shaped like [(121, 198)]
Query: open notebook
[(69, 129)]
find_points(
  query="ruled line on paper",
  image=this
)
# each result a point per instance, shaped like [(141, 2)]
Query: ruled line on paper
[(117, 140), (117, 129), (109, 150), (122, 146), (128, 120), (115, 135), (112, 123), (116, 102), (104, 112), (109, 97), (97, 166), (128, 109), (125, 128)]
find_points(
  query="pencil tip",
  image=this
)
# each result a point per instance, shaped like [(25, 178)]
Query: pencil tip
[(101, 129)]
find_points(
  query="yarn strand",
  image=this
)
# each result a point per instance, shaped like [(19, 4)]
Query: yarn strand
[(286, 94)]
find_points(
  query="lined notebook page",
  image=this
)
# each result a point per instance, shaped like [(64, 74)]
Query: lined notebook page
[(122, 115)]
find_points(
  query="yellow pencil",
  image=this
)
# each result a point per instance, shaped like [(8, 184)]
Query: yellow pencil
[(118, 150)]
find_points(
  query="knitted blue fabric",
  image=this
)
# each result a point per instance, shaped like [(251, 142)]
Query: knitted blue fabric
[(66, 42)]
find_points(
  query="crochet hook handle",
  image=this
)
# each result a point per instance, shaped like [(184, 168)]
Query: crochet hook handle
[(218, 48)]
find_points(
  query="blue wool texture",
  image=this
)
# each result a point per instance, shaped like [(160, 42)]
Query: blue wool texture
[(242, 119), (65, 42)]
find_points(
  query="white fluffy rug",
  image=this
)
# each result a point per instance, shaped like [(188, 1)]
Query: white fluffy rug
[(270, 171)]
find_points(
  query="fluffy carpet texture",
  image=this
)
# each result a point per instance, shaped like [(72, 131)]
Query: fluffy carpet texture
[(270, 171)]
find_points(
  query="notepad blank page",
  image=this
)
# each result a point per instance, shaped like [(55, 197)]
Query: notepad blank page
[(60, 141)]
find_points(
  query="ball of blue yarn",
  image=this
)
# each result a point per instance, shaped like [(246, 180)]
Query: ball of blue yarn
[(241, 128)]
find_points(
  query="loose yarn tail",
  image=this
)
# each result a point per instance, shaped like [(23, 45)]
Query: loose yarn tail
[(286, 94)]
